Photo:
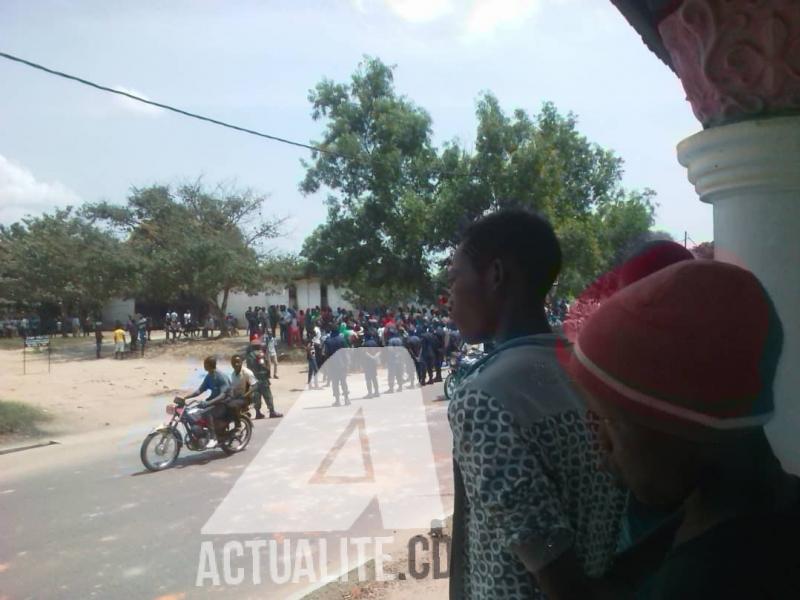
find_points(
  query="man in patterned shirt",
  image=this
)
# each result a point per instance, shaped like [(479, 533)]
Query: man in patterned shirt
[(533, 516)]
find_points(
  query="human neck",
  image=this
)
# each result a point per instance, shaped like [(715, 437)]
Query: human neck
[(516, 321)]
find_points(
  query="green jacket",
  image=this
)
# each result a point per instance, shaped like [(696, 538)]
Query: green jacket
[(257, 365)]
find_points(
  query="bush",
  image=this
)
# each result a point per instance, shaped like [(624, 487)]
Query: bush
[(16, 417)]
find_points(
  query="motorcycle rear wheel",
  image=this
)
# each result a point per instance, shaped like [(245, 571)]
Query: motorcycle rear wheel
[(159, 444), (449, 385), (237, 439)]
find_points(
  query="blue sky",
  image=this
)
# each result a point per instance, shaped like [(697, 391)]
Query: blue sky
[(253, 63)]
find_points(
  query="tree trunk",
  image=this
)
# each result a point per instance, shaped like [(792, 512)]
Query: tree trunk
[(220, 312)]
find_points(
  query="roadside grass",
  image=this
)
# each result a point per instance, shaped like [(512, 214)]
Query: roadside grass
[(57, 341), (19, 418)]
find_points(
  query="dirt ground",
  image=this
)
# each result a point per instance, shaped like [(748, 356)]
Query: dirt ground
[(84, 395), (428, 588)]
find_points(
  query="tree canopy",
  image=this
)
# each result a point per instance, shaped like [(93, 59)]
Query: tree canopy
[(62, 260), (379, 174), (192, 241), (396, 204)]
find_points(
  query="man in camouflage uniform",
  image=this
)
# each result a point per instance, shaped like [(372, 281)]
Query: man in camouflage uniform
[(260, 368)]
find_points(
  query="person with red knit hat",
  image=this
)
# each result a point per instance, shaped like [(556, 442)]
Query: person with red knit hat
[(679, 391), (646, 258)]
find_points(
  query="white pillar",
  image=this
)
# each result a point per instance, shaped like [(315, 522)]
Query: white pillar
[(750, 173)]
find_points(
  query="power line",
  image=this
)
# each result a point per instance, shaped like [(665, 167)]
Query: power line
[(186, 113), (180, 111), (440, 173)]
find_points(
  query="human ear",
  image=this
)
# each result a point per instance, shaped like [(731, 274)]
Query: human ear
[(496, 274)]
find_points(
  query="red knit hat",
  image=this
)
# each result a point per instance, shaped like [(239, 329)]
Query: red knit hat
[(653, 257), (650, 258), (694, 343)]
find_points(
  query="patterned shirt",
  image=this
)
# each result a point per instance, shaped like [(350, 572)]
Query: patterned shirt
[(527, 463)]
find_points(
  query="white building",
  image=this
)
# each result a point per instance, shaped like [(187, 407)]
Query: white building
[(302, 294), (118, 309)]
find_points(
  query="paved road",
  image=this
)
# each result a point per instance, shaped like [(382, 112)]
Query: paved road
[(81, 519)]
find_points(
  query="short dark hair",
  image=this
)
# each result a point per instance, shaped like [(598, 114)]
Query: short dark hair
[(210, 360), (518, 235)]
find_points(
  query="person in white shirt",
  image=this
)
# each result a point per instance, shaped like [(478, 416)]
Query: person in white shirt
[(242, 379), (243, 384)]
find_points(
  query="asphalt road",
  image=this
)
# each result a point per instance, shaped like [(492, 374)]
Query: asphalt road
[(83, 519)]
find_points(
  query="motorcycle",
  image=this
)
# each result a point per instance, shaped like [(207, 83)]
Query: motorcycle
[(460, 363), (161, 447)]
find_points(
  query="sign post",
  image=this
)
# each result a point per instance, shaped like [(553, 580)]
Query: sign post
[(36, 342)]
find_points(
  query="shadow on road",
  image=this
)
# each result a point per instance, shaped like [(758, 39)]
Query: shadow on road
[(189, 460)]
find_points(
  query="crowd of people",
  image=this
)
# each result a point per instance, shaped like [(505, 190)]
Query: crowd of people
[(428, 335), (31, 324)]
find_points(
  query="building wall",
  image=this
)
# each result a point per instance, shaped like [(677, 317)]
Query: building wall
[(117, 309), (308, 296), (336, 299), (274, 294), (239, 301), (308, 293)]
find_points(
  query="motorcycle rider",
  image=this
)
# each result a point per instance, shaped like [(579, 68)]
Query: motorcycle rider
[(218, 385)]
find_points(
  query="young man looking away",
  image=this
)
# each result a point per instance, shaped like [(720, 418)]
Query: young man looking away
[(533, 514)]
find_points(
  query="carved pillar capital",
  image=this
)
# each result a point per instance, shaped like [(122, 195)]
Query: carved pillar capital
[(737, 59)]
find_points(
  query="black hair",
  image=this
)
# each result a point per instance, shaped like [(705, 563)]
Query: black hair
[(210, 360), (517, 235)]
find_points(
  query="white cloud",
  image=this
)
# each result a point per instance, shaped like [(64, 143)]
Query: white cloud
[(420, 11), (487, 16), (413, 11), (22, 194), (133, 106), (475, 18)]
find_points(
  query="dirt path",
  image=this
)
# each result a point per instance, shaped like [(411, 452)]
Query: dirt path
[(83, 394)]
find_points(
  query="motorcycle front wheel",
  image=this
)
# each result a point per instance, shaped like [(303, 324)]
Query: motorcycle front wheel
[(159, 450), (237, 439)]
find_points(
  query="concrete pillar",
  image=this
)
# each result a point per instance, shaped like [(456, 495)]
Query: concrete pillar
[(750, 173)]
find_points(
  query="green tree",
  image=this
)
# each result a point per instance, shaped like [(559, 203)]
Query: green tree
[(543, 163), (194, 242), (378, 170), (396, 205), (64, 260)]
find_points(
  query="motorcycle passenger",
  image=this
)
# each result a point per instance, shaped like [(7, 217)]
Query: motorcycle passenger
[(219, 385), (243, 386)]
